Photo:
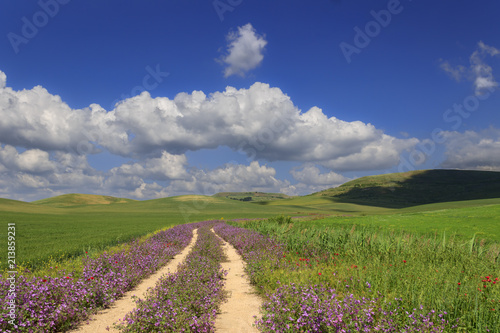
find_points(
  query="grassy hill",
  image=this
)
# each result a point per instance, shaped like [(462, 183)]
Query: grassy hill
[(76, 199), (413, 188), (252, 196), (66, 226)]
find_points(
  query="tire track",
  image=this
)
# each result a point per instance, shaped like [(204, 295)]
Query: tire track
[(237, 314), (107, 317)]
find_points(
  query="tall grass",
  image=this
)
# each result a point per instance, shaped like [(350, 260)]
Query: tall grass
[(438, 271)]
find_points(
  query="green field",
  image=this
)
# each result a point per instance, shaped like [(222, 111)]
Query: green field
[(66, 226), (252, 196)]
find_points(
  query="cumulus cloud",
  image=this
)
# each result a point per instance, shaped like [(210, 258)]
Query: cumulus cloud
[(379, 154), (310, 179), (244, 51), (473, 150), (44, 143), (311, 175), (231, 178), (479, 72), (3, 80), (166, 167), (33, 161), (34, 174), (260, 121)]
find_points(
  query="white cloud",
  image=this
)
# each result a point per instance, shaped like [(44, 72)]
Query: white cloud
[(34, 174), (244, 51), (3, 80), (44, 143), (473, 150), (230, 178), (454, 72), (311, 175), (166, 167), (33, 161), (261, 121), (479, 72), (379, 154), (310, 179)]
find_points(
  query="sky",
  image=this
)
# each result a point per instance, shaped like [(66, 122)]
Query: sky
[(148, 99)]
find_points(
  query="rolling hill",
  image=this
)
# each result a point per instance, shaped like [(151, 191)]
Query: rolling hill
[(76, 199), (398, 190), (252, 196)]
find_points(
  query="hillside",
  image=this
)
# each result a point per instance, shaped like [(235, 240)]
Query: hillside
[(252, 196), (413, 188), (76, 199)]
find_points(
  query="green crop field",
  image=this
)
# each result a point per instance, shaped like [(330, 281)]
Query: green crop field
[(482, 220), (66, 226), (58, 228)]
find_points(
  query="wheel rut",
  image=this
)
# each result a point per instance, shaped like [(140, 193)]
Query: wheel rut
[(104, 320), (237, 314)]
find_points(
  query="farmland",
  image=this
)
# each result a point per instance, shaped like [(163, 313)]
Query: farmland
[(435, 256)]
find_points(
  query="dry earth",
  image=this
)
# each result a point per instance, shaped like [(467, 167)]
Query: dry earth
[(104, 319), (237, 314)]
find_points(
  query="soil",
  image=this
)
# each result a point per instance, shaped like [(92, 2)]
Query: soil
[(237, 314), (104, 320)]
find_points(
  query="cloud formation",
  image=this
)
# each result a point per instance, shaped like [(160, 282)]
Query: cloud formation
[(473, 150), (44, 143), (311, 175), (34, 174), (244, 51), (479, 72), (260, 121)]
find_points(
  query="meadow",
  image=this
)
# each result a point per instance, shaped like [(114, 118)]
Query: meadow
[(57, 230), (346, 260), (417, 278)]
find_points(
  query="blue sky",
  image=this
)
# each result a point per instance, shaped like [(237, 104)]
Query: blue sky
[(281, 96)]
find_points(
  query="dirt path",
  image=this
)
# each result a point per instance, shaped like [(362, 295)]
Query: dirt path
[(237, 313), (124, 305)]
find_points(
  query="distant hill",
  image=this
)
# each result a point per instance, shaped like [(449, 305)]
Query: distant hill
[(252, 196), (76, 199), (413, 188), (9, 205)]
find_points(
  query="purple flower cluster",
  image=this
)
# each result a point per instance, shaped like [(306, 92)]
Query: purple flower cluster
[(55, 304), (317, 309), (306, 308), (188, 300)]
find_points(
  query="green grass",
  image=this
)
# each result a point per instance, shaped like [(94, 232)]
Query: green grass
[(464, 223), (440, 273), (398, 190), (57, 231), (65, 226), (76, 199), (252, 196)]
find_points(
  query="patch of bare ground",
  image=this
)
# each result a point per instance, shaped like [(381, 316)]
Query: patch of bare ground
[(237, 314), (104, 320)]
